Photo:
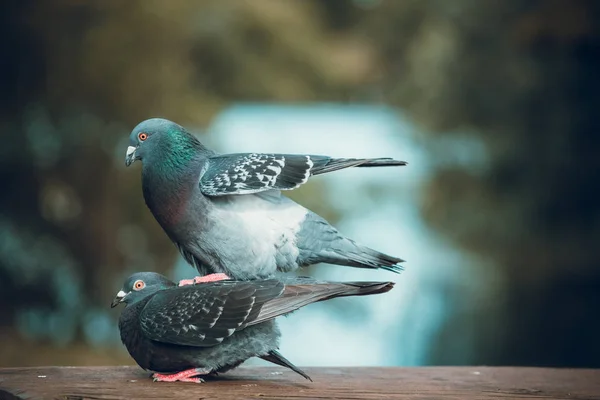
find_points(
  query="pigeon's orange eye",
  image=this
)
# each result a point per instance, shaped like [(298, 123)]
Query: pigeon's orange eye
[(143, 136), (139, 285)]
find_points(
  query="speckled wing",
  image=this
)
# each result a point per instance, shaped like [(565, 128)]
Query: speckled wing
[(247, 173), (254, 172), (203, 315)]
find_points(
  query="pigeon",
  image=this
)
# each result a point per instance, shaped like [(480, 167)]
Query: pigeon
[(226, 213), (183, 333)]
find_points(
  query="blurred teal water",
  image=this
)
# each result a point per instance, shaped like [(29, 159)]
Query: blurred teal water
[(378, 207)]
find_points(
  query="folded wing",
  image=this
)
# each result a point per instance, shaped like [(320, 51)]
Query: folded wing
[(203, 315), (247, 173)]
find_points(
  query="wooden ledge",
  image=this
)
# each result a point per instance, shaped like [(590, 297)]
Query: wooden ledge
[(130, 382)]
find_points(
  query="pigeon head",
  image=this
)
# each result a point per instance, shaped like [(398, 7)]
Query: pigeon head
[(139, 286), (160, 139)]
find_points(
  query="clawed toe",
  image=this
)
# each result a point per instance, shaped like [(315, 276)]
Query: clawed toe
[(204, 279), (190, 375), (185, 282), (169, 379), (211, 278)]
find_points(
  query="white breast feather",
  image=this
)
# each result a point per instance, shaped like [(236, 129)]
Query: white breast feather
[(266, 228)]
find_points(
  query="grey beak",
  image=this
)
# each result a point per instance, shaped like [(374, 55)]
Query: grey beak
[(118, 299), (130, 156)]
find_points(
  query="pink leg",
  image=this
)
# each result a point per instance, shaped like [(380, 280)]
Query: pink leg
[(189, 375), (204, 279)]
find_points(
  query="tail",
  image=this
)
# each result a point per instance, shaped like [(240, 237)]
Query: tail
[(361, 289), (319, 242), (323, 165), (354, 255), (276, 358)]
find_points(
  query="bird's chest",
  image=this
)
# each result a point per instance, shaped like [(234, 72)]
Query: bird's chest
[(132, 336), (167, 198), (256, 232), (150, 355)]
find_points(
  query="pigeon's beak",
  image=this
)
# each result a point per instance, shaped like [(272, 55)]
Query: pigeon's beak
[(119, 299), (130, 156)]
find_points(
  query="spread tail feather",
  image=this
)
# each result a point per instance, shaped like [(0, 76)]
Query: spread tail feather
[(364, 257), (318, 242), (276, 358)]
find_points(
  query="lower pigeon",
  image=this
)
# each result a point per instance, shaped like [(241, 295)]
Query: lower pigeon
[(184, 333)]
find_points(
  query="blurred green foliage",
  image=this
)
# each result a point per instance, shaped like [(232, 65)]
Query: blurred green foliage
[(522, 77)]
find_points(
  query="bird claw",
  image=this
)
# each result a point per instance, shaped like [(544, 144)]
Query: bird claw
[(189, 380), (189, 375), (204, 279), (185, 282)]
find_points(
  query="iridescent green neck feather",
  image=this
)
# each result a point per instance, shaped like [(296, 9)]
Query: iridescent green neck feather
[(170, 171)]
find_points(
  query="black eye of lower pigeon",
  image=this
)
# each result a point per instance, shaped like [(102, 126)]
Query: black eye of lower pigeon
[(143, 136), (225, 212)]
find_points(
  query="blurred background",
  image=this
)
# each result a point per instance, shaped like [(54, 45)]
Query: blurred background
[(493, 104)]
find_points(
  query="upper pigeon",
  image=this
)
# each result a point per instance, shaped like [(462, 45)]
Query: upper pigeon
[(226, 214)]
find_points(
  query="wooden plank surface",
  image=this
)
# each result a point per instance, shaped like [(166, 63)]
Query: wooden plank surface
[(463, 383)]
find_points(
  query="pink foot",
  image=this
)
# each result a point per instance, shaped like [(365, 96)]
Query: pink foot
[(204, 279), (189, 375)]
